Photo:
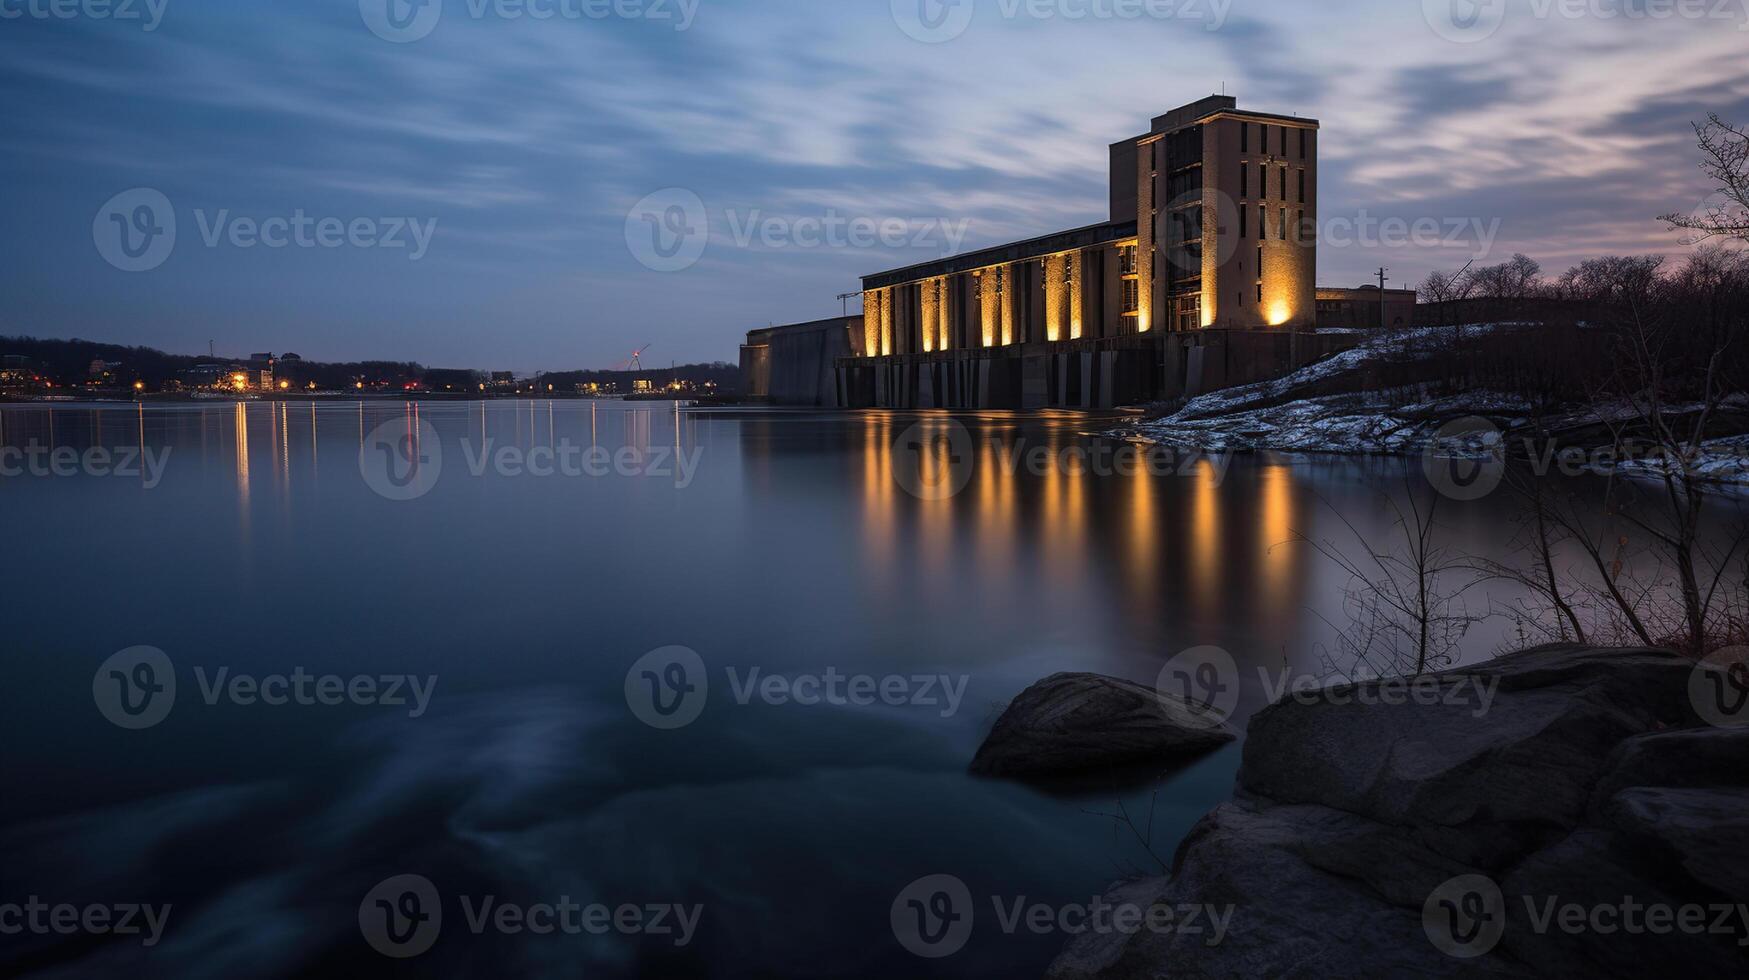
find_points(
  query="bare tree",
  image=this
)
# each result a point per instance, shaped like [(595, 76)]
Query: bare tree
[(1725, 159), (1672, 374), (1448, 291), (1553, 607), (1613, 280), (1404, 615)]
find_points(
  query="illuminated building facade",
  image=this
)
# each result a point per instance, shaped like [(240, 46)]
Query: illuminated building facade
[(1203, 276)]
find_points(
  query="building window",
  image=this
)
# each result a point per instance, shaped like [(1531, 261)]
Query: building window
[(1302, 187), (1242, 212), (1260, 261), (1126, 260), (1190, 311), (1244, 137), (1300, 228), (1303, 133), (1262, 221), (1244, 179), (1283, 228), (1284, 183), (1131, 296), (1259, 291)]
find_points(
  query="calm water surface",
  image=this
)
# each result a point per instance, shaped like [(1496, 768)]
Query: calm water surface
[(792, 549)]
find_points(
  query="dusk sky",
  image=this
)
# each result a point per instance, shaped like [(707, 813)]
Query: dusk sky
[(529, 141)]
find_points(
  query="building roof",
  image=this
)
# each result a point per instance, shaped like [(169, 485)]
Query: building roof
[(1100, 234), (1206, 109), (763, 335), (1361, 291)]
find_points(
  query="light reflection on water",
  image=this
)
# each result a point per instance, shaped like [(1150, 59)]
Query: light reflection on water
[(793, 548)]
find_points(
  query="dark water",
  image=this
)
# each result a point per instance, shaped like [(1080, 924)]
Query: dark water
[(792, 548)]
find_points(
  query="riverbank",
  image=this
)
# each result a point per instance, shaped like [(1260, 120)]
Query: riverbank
[(1584, 819), (1336, 407)]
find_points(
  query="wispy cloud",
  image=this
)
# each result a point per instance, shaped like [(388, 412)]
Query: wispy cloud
[(529, 140)]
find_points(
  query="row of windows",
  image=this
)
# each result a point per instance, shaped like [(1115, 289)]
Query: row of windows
[(1263, 181), (1281, 142), (1282, 225), (1129, 287)]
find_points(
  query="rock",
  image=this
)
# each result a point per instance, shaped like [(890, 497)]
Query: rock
[(1694, 757), (1588, 867), (1705, 832), (1071, 724), (1519, 742), (1586, 779), (1288, 916)]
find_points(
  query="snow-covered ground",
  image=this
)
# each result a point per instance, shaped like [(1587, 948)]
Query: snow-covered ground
[(1266, 415), (1286, 415), (1719, 461)]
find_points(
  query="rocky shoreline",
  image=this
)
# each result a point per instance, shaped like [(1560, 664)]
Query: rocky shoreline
[(1589, 821)]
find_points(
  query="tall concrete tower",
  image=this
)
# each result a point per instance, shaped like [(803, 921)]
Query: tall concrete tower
[(1226, 206)]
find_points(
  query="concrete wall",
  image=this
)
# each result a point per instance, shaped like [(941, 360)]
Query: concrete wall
[(1359, 308), (795, 365), (1231, 297), (1004, 378), (756, 370)]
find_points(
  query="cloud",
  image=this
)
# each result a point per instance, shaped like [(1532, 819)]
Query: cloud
[(528, 140)]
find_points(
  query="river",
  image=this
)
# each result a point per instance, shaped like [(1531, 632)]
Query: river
[(461, 675)]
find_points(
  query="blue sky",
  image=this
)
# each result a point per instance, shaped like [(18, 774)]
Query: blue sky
[(523, 143)]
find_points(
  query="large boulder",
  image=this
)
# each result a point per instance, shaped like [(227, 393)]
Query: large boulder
[(1583, 777), (1076, 724), (1289, 916)]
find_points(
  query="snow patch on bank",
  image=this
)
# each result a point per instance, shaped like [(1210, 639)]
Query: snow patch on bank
[(1286, 415)]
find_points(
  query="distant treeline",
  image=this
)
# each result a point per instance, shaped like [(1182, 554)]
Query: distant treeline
[(1633, 326), (68, 362), (726, 376)]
